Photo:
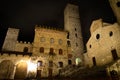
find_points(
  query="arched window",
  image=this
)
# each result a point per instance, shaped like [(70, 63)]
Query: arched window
[(68, 43), (68, 35), (51, 51), (41, 49), (60, 64), (25, 49), (60, 51), (39, 63)]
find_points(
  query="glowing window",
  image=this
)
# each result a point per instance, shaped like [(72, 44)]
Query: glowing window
[(39, 63)]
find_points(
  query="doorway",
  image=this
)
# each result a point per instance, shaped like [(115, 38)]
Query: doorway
[(114, 54), (38, 74), (94, 61), (50, 73)]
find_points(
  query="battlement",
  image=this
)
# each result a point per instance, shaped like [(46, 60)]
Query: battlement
[(24, 42), (48, 28)]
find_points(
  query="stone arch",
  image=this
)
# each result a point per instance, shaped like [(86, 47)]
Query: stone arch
[(21, 70), (78, 61), (6, 69)]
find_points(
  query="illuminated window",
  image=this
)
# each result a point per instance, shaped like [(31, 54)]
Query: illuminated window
[(110, 33), (51, 40), (41, 50), (60, 64), (60, 51), (50, 63), (51, 51), (39, 63), (97, 36), (25, 49)]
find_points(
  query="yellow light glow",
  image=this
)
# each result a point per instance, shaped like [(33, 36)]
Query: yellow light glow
[(32, 67)]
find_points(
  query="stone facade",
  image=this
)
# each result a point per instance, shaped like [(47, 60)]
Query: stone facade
[(103, 46), (50, 51), (73, 26)]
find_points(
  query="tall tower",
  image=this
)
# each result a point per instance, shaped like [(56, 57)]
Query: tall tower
[(115, 5), (10, 39), (73, 26)]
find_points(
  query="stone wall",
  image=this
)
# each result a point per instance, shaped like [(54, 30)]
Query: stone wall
[(104, 45)]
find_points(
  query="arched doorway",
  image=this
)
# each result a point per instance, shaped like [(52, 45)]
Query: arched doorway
[(6, 69), (78, 61), (21, 70)]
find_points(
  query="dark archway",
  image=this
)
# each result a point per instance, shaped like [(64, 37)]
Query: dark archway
[(21, 70), (6, 69)]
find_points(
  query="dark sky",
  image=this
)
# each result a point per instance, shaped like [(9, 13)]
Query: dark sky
[(25, 14)]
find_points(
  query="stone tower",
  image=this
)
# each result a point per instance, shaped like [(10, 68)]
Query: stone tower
[(10, 39), (115, 5), (73, 26)]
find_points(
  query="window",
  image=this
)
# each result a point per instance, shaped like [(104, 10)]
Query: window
[(51, 51), (50, 63), (76, 35), (68, 43), (60, 41), (118, 4), (51, 40), (39, 63), (60, 64), (42, 39), (110, 33), (60, 51), (69, 55), (97, 36), (75, 29), (90, 45), (25, 49), (76, 44), (41, 50), (69, 62), (68, 35)]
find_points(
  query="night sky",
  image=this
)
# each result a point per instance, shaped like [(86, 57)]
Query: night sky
[(25, 14)]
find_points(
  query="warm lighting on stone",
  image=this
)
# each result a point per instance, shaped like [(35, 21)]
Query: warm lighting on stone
[(31, 66)]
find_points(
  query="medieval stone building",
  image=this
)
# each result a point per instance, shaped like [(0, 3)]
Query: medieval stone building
[(50, 51)]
